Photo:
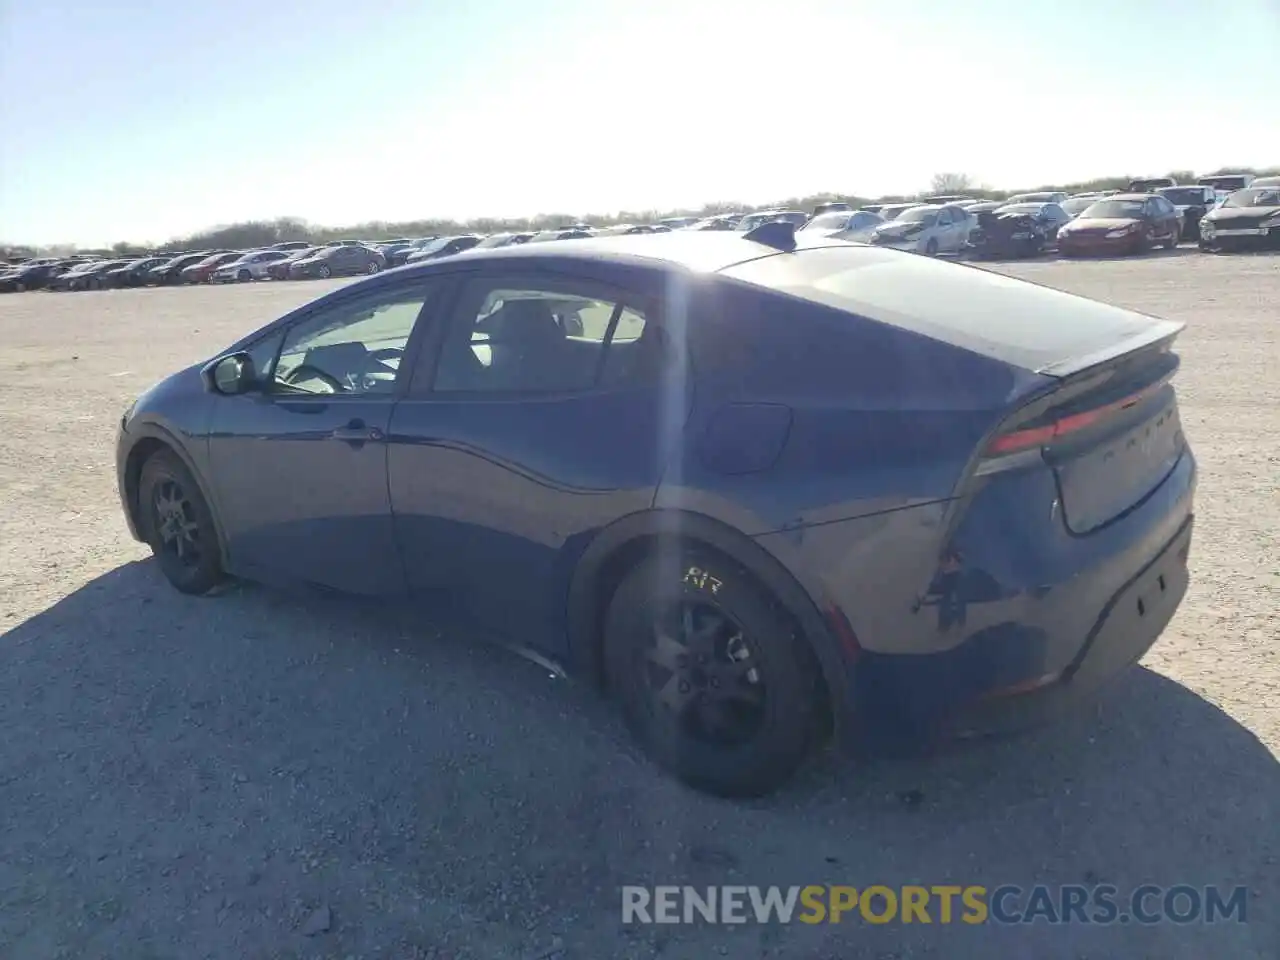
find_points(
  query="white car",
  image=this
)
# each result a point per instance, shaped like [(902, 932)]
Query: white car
[(252, 266), (927, 229)]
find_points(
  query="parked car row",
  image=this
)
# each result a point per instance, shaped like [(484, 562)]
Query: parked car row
[(1154, 213), (1220, 213)]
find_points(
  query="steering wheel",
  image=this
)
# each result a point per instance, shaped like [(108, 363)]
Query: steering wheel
[(304, 371), (380, 358)]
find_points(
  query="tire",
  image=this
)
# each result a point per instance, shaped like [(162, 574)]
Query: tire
[(931, 248), (1172, 242), (780, 708), (372, 268), (169, 499), (19, 287), (244, 276), (324, 271)]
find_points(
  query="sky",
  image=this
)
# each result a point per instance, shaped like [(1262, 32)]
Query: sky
[(146, 121)]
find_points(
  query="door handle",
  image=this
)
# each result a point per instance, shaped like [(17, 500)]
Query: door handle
[(357, 432)]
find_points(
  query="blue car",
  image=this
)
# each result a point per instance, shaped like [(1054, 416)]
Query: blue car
[(768, 490)]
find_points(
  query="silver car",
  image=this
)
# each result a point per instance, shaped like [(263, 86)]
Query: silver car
[(855, 225), (927, 229), (1040, 196), (252, 266)]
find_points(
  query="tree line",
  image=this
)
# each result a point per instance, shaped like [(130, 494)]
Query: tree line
[(263, 233)]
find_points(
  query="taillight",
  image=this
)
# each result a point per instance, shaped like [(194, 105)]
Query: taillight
[(1041, 435)]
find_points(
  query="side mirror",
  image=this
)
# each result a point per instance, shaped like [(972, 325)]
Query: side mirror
[(230, 375)]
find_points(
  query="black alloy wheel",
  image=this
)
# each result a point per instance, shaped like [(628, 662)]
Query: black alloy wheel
[(712, 677), (178, 526), (698, 667), (324, 271)]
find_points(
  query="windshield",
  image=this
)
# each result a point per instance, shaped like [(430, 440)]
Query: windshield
[(894, 210), (828, 221), (497, 240), (1078, 204), (1025, 198), (439, 243), (1114, 210), (1182, 196), (1223, 183), (1264, 197), (1022, 208), (926, 215)]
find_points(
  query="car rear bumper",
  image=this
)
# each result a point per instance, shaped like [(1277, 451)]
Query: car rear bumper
[(1125, 629), (953, 620)]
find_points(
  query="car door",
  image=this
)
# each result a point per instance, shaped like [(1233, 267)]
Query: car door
[(518, 440), (945, 231), (299, 464), (1054, 217), (1173, 222), (342, 261)]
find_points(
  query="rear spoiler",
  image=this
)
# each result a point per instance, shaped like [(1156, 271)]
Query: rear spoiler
[(1158, 336)]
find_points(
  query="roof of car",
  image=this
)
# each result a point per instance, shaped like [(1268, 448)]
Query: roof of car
[(697, 250)]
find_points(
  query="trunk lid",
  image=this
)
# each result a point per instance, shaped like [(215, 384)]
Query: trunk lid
[(1110, 432)]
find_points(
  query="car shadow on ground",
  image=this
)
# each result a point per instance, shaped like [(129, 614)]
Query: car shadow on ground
[(215, 774)]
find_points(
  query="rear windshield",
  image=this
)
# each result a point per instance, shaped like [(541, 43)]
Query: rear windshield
[(1010, 320), (1183, 196)]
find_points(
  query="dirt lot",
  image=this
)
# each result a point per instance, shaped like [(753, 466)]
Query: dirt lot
[(225, 777)]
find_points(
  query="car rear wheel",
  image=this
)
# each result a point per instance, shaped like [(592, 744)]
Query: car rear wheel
[(931, 248), (372, 268), (324, 271), (1172, 242), (178, 526), (244, 276), (712, 680)]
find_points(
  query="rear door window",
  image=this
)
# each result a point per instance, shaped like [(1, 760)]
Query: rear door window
[(546, 337)]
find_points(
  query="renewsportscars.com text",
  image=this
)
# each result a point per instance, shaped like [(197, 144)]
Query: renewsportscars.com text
[(942, 904)]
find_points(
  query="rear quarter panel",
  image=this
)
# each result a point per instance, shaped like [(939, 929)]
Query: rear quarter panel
[(877, 418)]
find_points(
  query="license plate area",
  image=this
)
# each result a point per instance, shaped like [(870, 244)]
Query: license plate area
[(1111, 474)]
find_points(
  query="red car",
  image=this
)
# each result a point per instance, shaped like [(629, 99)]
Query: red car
[(1124, 223), (202, 270)]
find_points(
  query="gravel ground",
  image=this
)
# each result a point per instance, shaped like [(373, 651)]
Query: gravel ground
[(276, 775)]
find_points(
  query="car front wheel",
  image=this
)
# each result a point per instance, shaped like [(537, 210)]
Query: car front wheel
[(713, 681), (178, 526)]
